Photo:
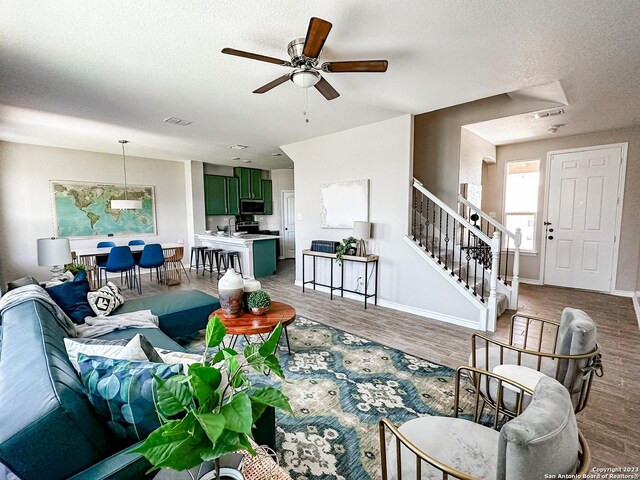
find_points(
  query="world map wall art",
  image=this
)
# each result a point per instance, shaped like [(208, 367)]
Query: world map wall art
[(83, 209)]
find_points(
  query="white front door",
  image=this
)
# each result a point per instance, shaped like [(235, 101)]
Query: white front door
[(289, 223), (581, 218)]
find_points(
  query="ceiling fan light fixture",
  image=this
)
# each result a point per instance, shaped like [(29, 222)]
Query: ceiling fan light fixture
[(305, 78), (125, 204)]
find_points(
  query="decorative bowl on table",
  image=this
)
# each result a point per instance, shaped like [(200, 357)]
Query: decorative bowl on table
[(260, 310), (238, 234), (208, 232), (221, 233)]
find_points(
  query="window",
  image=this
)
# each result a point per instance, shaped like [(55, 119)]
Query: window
[(521, 200)]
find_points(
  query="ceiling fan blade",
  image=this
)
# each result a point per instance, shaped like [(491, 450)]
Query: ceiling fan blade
[(273, 84), (255, 56), (355, 66), (316, 36), (326, 89)]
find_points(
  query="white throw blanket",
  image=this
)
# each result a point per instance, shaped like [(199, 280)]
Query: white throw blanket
[(97, 326), (93, 326)]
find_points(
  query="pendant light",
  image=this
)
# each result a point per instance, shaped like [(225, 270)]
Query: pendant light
[(125, 204)]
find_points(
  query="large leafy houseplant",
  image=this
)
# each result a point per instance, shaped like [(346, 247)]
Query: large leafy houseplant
[(211, 409)]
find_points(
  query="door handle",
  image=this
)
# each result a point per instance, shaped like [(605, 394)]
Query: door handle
[(550, 237), (551, 229), (547, 223)]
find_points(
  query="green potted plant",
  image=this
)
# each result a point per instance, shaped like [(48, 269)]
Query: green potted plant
[(209, 411), (259, 302), (74, 268), (347, 247)]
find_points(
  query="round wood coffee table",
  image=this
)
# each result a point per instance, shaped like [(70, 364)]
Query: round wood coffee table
[(250, 324)]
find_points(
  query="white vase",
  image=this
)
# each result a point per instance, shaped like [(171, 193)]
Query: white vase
[(231, 293)]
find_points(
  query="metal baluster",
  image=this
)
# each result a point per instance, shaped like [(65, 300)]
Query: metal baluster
[(426, 224), (415, 207), (506, 263), (446, 244), (433, 229), (468, 255), (460, 256), (482, 291), (453, 253), (421, 205), (475, 268), (440, 238)]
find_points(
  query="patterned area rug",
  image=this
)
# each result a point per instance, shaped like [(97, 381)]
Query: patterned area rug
[(340, 385)]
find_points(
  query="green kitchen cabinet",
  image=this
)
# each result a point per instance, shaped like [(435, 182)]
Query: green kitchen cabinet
[(250, 181), (233, 195), (267, 194), (221, 195), (215, 195)]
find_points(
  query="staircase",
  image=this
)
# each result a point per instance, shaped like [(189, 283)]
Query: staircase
[(472, 248)]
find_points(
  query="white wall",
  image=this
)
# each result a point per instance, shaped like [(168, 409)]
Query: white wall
[(26, 211), (283, 179), (381, 152)]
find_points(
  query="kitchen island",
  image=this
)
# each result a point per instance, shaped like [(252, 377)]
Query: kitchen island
[(257, 252)]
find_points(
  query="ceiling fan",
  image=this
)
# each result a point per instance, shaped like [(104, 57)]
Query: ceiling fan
[(304, 53)]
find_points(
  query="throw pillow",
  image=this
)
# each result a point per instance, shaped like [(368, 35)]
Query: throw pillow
[(71, 297), (106, 299), (123, 392), (183, 358), (136, 349)]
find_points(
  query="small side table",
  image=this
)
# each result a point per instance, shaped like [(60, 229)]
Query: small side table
[(366, 261), (250, 324)]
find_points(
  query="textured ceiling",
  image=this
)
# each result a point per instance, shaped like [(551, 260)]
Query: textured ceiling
[(83, 73)]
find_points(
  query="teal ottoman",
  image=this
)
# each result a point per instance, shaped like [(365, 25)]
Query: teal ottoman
[(181, 312)]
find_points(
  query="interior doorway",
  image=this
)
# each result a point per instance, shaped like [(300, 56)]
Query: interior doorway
[(289, 224), (583, 206)]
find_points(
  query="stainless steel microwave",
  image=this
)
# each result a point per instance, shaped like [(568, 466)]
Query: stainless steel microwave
[(251, 206)]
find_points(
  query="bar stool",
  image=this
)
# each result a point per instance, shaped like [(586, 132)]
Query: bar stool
[(211, 255), (198, 251), (231, 257)]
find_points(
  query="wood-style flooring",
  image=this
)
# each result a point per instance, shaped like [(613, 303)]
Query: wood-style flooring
[(611, 420)]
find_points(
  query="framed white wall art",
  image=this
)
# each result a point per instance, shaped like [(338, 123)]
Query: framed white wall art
[(342, 203)]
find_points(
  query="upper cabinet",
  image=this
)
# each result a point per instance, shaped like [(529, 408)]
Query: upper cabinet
[(250, 183), (267, 193), (221, 195)]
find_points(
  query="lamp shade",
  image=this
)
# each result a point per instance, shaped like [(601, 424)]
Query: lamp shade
[(53, 251), (362, 229), (126, 204)]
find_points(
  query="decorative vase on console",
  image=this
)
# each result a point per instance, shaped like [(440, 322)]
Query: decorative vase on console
[(231, 293)]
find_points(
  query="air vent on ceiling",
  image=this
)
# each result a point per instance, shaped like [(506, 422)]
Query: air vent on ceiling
[(276, 154), (177, 121), (548, 113), (238, 147), (246, 161)]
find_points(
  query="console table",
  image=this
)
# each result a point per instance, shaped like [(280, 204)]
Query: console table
[(366, 261)]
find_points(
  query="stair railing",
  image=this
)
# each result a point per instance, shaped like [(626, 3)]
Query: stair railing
[(488, 225), (470, 255)]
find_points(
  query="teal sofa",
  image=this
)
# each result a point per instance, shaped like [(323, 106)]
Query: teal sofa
[(49, 429)]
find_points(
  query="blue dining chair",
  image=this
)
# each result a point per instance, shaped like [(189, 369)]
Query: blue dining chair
[(152, 257), (136, 255), (120, 260), (101, 260)]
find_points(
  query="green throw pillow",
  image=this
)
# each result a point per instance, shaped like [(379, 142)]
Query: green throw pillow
[(123, 392)]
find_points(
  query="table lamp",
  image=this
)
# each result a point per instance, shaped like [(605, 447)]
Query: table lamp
[(54, 252), (361, 230)]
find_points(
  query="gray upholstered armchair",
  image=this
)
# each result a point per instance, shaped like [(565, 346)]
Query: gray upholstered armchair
[(543, 439), (564, 350)]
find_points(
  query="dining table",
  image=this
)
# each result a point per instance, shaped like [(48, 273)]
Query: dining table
[(173, 252)]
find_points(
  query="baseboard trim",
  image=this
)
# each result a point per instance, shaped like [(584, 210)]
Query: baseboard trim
[(636, 305), (529, 281), (624, 293), (431, 315)]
